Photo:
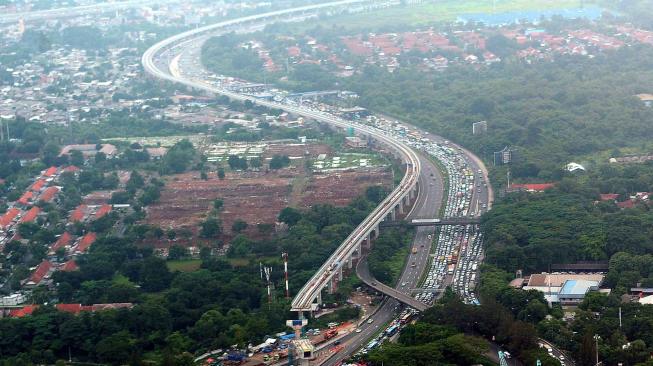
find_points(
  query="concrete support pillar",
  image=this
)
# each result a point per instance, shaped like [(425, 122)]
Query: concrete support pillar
[(376, 231), (401, 207), (393, 215), (350, 261), (340, 273), (319, 298), (300, 315), (334, 285)]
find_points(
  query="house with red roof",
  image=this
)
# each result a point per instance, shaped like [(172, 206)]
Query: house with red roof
[(78, 214), (294, 51), (38, 185), (78, 308), (70, 308), (85, 242), (69, 266), (8, 217), (26, 198), (71, 169), (24, 311), (102, 211), (51, 171), (49, 193), (626, 204), (536, 187), (31, 214), (609, 196), (64, 240), (41, 273)]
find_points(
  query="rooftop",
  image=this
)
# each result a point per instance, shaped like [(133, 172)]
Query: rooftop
[(577, 287), (558, 279)]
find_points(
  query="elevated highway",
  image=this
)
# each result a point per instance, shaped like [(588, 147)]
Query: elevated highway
[(395, 203), (74, 11)]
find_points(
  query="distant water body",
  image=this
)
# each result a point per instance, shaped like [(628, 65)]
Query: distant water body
[(532, 16)]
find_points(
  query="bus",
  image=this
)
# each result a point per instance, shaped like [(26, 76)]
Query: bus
[(405, 318)]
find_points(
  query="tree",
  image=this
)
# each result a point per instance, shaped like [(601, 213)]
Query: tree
[(221, 173), (100, 157), (177, 252), (290, 216), (154, 275), (179, 157), (264, 228), (279, 161), (237, 163), (76, 158), (211, 228), (150, 195), (218, 204), (238, 226), (255, 163), (135, 182), (117, 348)]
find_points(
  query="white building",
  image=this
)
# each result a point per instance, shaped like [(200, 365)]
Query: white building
[(13, 299)]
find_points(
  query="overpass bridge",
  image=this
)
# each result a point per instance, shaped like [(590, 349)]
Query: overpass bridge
[(331, 272), (434, 222), (363, 272)]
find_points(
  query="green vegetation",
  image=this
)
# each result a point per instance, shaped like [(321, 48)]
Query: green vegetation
[(442, 336), (566, 224), (429, 13), (337, 316), (388, 257), (186, 265), (550, 112), (180, 305)]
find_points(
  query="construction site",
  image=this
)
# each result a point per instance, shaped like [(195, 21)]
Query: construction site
[(257, 196)]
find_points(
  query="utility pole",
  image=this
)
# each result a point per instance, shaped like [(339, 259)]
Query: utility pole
[(596, 339), (268, 272), (284, 255)]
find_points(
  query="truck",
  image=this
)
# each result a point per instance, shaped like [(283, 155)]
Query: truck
[(330, 334), (414, 250)]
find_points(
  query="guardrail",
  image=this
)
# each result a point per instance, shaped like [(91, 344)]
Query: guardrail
[(304, 299)]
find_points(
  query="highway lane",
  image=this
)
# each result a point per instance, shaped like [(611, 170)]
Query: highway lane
[(431, 191), (427, 204), (305, 297)]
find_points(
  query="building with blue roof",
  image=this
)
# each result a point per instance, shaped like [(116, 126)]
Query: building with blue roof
[(573, 291)]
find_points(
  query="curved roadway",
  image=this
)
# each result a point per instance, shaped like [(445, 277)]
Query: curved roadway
[(304, 300), (73, 11)]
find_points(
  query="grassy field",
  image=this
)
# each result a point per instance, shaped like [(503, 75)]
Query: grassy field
[(189, 265), (437, 11)]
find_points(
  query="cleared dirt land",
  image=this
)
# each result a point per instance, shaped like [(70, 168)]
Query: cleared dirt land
[(256, 197)]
